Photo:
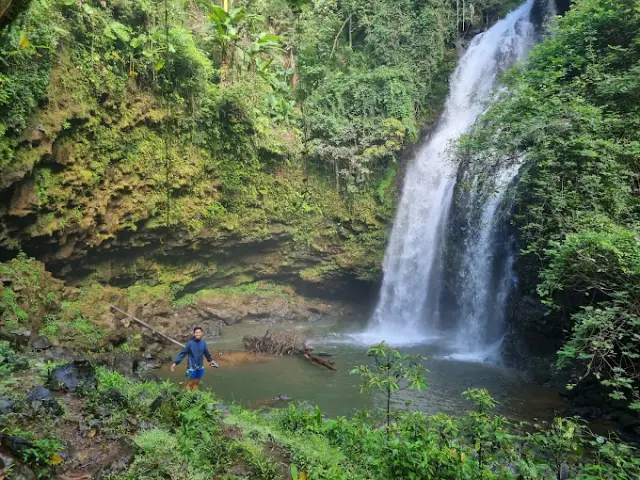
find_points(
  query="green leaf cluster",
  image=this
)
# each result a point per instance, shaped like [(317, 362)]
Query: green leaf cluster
[(392, 373), (27, 293), (26, 57), (370, 74), (472, 445)]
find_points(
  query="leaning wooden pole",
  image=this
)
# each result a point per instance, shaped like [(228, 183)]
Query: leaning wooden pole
[(146, 325)]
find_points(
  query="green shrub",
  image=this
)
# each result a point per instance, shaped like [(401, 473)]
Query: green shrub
[(10, 361), (300, 418), (45, 452)]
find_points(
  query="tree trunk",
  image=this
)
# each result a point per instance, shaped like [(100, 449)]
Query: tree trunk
[(292, 65), (388, 409)]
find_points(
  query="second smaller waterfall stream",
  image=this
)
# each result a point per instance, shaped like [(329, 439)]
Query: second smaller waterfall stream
[(416, 299)]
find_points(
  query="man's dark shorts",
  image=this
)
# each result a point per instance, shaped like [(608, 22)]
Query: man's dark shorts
[(195, 373)]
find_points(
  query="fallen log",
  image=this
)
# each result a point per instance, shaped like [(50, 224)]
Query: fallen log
[(319, 361), (284, 343)]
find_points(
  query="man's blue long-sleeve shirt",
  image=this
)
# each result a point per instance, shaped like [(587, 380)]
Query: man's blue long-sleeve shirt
[(195, 349)]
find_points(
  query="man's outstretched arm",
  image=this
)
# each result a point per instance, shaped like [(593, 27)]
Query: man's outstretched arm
[(207, 355), (183, 353)]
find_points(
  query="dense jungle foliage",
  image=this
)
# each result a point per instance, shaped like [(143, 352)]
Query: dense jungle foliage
[(182, 118), (194, 436), (572, 119), (132, 125)]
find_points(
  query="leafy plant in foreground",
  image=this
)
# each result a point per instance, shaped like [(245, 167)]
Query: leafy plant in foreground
[(393, 372), (44, 452)]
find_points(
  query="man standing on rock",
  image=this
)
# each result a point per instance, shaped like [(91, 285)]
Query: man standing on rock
[(194, 350)]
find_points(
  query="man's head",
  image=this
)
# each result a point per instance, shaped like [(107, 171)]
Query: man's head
[(197, 333)]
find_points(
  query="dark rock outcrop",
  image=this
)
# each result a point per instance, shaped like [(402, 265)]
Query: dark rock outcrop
[(39, 394), (563, 5), (147, 365), (11, 463), (533, 337), (123, 363), (58, 354), (25, 199), (41, 398), (41, 343), (114, 397), (73, 374), (231, 309), (15, 445)]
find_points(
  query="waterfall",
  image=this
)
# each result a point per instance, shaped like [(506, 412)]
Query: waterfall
[(415, 265)]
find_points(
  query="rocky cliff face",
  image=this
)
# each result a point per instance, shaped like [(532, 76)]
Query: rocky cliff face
[(58, 322), (108, 175), (88, 195)]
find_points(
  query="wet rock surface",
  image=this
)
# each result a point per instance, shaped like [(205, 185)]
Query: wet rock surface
[(282, 397), (15, 445), (41, 343), (73, 374), (58, 354), (123, 363), (147, 365), (533, 337), (231, 309), (39, 394), (41, 398)]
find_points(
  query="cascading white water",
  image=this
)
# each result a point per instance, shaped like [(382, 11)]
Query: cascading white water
[(482, 296), (408, 308)]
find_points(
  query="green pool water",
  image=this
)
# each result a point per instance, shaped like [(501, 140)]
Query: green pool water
[(254, 384)]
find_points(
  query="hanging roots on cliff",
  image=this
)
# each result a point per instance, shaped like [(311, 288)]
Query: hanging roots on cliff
[(284, 343)]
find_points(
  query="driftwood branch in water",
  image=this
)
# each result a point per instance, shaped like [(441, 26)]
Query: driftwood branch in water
[(146, 325), (325, 363), (284, 343)]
